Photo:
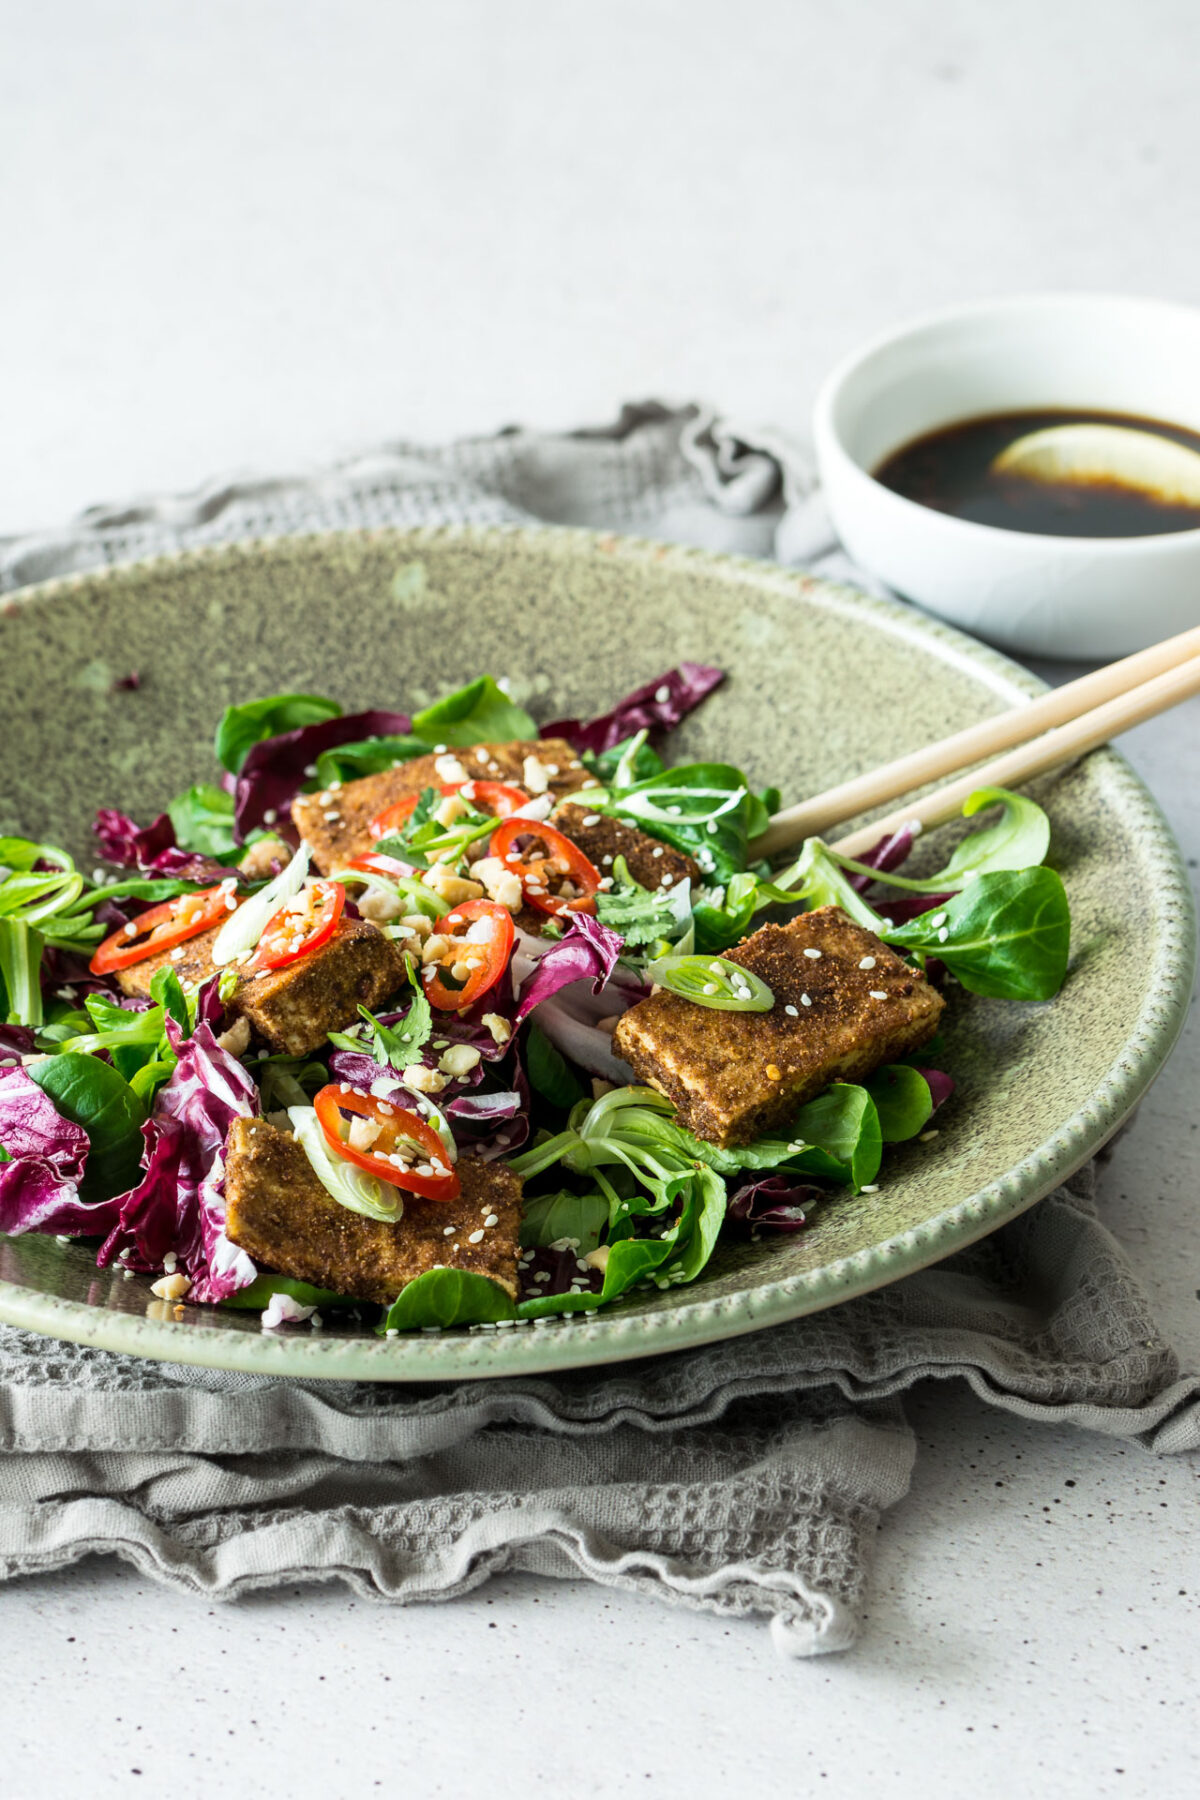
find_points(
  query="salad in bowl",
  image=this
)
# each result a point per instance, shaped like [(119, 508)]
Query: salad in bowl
[(459, 1020)]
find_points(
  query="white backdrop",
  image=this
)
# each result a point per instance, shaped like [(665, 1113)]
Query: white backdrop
[(250, 233)]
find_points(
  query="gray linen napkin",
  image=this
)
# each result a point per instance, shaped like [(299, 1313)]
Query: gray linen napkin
[(747, 1477)]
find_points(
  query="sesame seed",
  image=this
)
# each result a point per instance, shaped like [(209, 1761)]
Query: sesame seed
[(878, 994), (938, 919), (592, 819), (476, 1237), (927, 1137), (943, 934), (657, 852), (662, 694), (492, 1219), (869, 1187), (793, 1012), (815, 955), (805, 1000), (868, 962), (449, 1230)]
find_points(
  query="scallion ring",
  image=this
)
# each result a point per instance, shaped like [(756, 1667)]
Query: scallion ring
[(712, 981)]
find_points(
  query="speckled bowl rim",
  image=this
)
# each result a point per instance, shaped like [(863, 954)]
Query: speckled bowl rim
[(579, 1341)]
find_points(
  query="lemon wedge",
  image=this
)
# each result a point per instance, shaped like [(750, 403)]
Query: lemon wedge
[(1152, 465)]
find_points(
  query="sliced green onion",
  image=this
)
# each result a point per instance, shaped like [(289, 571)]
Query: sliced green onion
[(712, 981), (243, 928), (349, 1185), (20, 971)]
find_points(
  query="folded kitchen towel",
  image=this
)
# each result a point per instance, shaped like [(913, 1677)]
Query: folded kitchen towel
[(747, 1477)]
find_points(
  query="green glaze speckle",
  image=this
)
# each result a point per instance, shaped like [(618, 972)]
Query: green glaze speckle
[(824, 682)]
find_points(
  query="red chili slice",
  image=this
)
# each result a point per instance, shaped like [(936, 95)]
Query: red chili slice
[(373, 863), (162, 928), (404, 1151), (555, 874), (481, 937), (495, 797), (301, 926)]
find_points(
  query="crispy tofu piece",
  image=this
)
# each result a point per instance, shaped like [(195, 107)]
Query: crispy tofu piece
[(293, 1008), (735, 1076), (279, 1213), (335, 821), (602, 840)]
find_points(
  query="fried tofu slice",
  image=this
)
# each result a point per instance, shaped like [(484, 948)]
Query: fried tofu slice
[(335, 821), (279, 1213), (294, 1008), (602, 840), (844, 1004)]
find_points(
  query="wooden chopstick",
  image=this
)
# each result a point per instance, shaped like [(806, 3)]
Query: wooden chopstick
[(818, 816), (1050, 751)]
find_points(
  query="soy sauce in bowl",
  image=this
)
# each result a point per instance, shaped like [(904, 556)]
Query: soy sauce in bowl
[(952, 471)]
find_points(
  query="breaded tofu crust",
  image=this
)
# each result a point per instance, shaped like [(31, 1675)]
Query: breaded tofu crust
[(295, 1007), (602, 840), (838, 1014), (335, 821), (278, 1212)]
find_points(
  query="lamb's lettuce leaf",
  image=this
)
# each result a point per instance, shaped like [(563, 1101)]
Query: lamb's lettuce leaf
[(479, 713)]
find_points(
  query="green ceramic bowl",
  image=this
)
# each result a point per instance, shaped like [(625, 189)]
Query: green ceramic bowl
[(823, 683)]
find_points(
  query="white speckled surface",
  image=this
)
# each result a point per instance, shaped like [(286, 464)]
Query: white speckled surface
[(269, 232)]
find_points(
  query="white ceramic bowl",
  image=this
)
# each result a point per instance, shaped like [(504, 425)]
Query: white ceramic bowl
[(1049, 596)]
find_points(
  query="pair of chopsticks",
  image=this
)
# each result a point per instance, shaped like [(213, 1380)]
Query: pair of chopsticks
[(1054, 729)]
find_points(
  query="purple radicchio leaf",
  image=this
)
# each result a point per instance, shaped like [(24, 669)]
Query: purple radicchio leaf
[(655, 708), (276, 769), (561, 1272), (773, 1203), (940, 1085), (151, 849), (16, 1041), (179, 1203), (889, 853), (39, 1186), (587, 951), (911, 906)]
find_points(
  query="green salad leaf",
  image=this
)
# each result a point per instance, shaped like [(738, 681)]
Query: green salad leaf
[(548, 1218), (634, 756), (549, 1072), (97, 1097), (722, 917), (447, 1297), (350, 762), (257, 1294), (705, 809), (202, 819), (479, 713), (1006, 935), (242, 727), (902, 1101)]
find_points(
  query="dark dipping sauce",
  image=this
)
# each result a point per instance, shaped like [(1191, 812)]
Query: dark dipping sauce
[(950, 471)]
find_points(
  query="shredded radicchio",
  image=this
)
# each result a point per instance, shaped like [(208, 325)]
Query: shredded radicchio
[(587, 951), (276, 769), (940, 1085), (889, 853), (656, 707), (151, 849), (179, 1203), (39, 1186), (560, 1272), (773, 1203)]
